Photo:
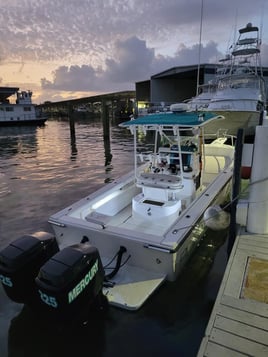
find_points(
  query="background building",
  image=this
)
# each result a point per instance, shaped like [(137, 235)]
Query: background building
[(176, 84)]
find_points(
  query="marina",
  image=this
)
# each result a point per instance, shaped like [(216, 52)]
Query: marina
[(149, 222), (210, 343), (172, 321), (134, 193), (233, 275)]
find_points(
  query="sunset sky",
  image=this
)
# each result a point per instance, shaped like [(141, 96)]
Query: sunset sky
[(64, 49)]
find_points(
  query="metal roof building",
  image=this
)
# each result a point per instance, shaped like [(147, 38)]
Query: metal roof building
[(177, 84)]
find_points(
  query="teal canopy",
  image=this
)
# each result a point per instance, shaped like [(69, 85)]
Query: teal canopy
[(184, 119)]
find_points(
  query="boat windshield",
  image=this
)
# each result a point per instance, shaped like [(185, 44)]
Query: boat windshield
[(239, 82)]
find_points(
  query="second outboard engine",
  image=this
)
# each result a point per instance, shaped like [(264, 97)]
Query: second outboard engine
[(20, 262), (70, 284)]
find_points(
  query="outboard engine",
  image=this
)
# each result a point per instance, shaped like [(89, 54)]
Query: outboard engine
[(70, 284), (20, 262)]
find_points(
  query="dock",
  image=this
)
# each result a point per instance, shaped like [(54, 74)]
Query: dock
[(238, 325)]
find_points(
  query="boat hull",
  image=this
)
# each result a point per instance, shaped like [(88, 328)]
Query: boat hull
[(233, 121), (32, 122), (151, 258)]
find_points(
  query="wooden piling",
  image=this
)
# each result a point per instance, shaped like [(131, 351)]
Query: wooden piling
[(72, 128), (106, 132)]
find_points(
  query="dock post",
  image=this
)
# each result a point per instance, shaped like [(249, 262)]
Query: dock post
[(257, 221), (105, 119), (106, 132), (72, 129), (235, 188)]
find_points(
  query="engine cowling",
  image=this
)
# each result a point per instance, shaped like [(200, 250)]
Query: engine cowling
[(70, 284), (20, 262)]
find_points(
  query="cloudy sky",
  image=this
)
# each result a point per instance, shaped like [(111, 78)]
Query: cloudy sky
[(64, 49)]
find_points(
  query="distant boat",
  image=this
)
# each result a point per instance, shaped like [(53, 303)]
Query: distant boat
[(81, 109), (201, 101), (240, 95), (22, 111), (238, 90)]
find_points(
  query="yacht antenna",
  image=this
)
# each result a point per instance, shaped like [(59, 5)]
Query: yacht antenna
[(262, 14), (199, 49), (235, 27)]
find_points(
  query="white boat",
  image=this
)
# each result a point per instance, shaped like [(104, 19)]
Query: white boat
[(81, 109), (21, 111), (179, 107), (241, 96), (205, 94), (238, 90), (147, 223)]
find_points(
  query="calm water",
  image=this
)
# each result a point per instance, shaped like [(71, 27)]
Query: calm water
[(42, 171)]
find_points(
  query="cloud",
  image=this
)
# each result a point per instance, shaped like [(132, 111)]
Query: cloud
[(73, 78), (108, 45), (134, 62), (74, 30)]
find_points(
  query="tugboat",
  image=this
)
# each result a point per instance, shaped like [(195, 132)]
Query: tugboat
[(20, 112)]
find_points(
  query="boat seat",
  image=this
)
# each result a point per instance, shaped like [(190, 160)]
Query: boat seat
[(159, 180), (98, 218)]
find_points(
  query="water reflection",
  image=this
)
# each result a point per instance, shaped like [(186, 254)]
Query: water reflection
[(106, 140), (32, 337), (107, 151), (174, 320), (74, 151), (14, 140), (73, 139), (18, 130)]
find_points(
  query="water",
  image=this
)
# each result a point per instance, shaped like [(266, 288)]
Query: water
[(42, 170)]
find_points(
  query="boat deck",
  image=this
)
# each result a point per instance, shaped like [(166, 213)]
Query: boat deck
[(238, 325)]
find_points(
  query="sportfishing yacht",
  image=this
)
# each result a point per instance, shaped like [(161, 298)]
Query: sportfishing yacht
[(241, 94)]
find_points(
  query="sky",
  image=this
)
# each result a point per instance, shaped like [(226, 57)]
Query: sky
[(66, 49)]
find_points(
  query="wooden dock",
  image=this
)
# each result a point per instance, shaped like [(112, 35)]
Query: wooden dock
[(238, 324)]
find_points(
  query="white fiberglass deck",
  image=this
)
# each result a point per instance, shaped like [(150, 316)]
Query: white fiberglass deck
[(238, 325)]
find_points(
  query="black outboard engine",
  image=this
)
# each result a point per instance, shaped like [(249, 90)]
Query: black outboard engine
[(20, 262), (70, 284)]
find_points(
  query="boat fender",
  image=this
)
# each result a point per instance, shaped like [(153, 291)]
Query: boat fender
[(245, 172), (216, 218)]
